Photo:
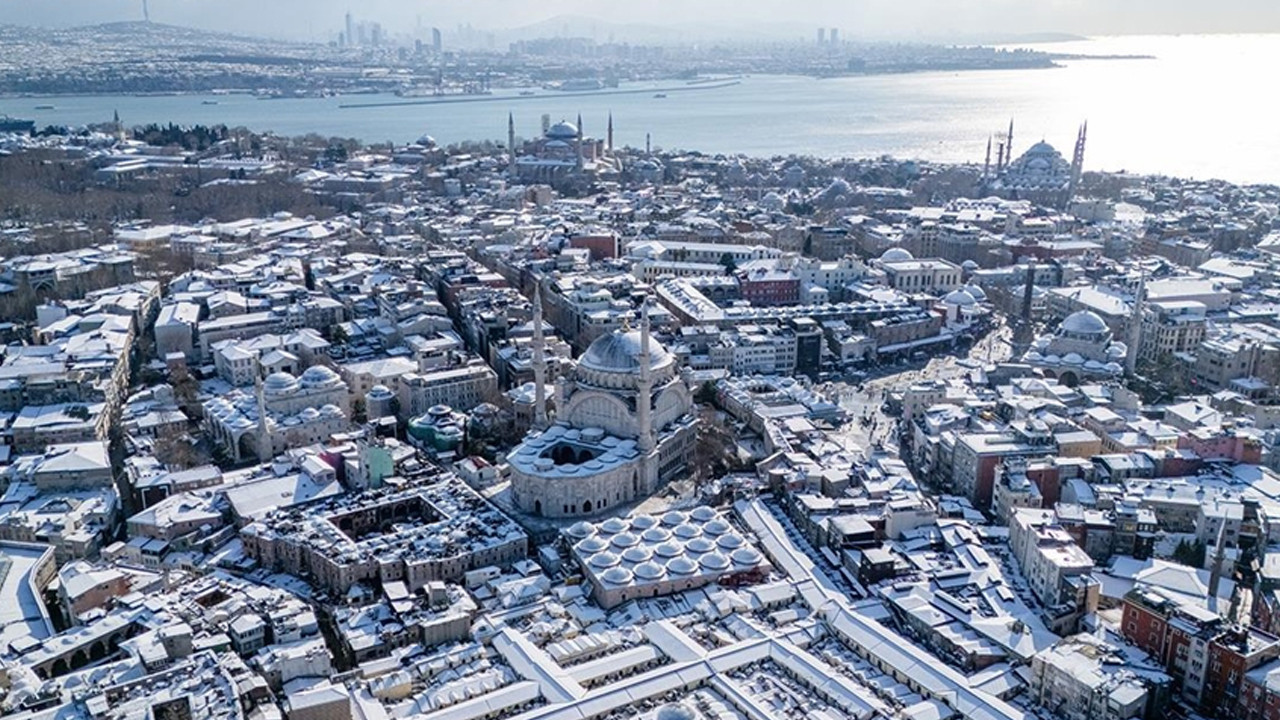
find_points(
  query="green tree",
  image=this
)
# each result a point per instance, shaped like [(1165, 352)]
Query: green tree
[(730, 265)]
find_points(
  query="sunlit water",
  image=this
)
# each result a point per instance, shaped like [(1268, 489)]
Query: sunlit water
[(1205, 107)]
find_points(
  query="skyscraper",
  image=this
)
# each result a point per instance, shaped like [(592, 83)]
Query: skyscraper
[(822, 36), (351, 30), (437, 42), (835, 36)]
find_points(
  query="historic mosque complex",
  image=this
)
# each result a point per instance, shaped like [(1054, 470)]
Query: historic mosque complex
[(624, 426)]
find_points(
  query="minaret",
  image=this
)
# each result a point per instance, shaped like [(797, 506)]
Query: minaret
[(645, 395), (999, 158), (579, 143), (511, 144), (1135, 326), (648, 143), (1077, 161), (1215, 572), (986, 164), (609, 141), (264, 434), (539, 364), (1008, 146)]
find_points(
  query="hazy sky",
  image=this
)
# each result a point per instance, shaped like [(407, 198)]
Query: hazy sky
[(321, 19)]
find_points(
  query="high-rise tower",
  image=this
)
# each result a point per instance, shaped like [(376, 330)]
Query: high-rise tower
[(609, 140)]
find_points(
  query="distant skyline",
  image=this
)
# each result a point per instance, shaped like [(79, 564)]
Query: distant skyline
[(321, 20)]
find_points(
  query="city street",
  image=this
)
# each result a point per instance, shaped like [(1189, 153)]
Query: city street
[(867, 398)]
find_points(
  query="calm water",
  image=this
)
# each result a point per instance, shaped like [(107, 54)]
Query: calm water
[(1202, 108)]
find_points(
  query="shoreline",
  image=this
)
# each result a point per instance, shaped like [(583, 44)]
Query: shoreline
[(543, 96)]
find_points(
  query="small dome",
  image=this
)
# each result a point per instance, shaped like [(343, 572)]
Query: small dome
[(319, 375), (613, 525), (668, 550), (896, 254), (716, 527), (592, 545), (426, 141), (279, 382), (625, 540), (746, 557), (637, 554), (656, 535), (1084, 322), (700, 545), (686, 531), (978, 293), (714, 562), (617, 576), (1073, 359), (682, 566), (702, 513), (643, 522), (649, 571), (675, 711), (604, 560), (380, 392), (581, 529), (960, 298), (673, 518), (730, 542)]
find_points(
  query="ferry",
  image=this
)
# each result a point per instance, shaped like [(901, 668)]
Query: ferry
[(659, 96), (45, 107), (209, 102)]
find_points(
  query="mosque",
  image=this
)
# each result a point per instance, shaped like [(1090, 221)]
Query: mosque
[(624, 426), (1041, 174), (1082, 349), (563, 151), (284, 412)]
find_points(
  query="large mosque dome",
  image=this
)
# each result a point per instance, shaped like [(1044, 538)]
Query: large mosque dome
[(619, 352), (563, 130), (1084, 323)]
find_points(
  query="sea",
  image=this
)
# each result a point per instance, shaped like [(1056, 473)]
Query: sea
[(1195, 106)]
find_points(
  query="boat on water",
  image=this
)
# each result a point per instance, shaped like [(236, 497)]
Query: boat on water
[(209, 102), (659, 96), (527, 93), (45, 107)]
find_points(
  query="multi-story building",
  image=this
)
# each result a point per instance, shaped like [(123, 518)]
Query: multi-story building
[(1171, 327), (462, 387), (1057, 570), (1079, 678)]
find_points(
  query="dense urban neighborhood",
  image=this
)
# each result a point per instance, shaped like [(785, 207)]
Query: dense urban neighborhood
[(555, 428)]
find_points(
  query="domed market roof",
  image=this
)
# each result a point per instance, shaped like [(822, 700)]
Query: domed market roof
[(619, 352)]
